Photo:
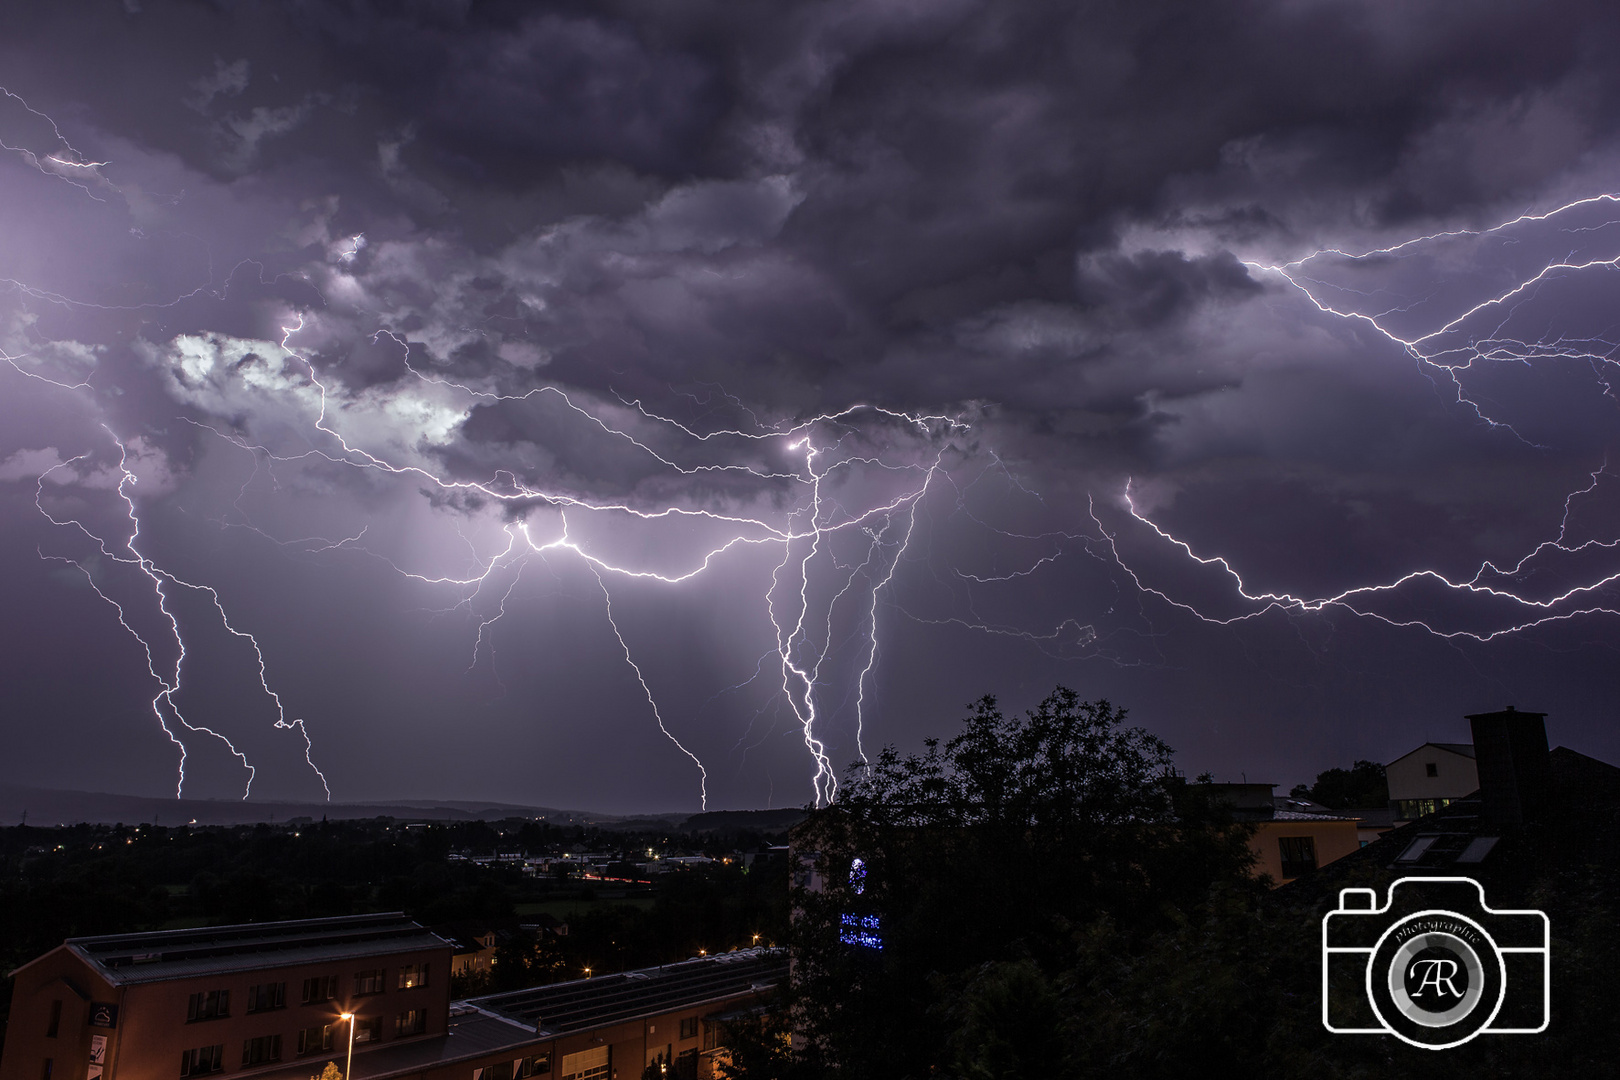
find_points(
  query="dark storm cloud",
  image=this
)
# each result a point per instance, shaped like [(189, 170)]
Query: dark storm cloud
[(1050, 219)]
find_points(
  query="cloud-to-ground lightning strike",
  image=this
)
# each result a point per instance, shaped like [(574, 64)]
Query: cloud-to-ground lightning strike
[(169, 680), (1449, 345), (802, 535)]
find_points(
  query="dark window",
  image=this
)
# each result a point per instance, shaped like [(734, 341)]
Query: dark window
[(538, 1065), (411, 1022), (503, 1071), (368, 1030), (314, 1040), (204, 1059), (368, 982), (1431, 768), (265, 996), (412, 975), (56, 1020), (320, 989), (45, 1073), (264, 1049), (714, 1037), (689, 1027), (209, 1005), (1298, 855), (686, 1064)]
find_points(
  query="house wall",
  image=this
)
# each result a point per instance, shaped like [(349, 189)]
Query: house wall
[(1332, 838), (1458, 775)]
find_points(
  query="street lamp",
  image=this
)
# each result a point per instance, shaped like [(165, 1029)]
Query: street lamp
[(349, 1062)]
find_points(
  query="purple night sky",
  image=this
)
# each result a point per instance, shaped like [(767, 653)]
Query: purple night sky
[(437, 399)]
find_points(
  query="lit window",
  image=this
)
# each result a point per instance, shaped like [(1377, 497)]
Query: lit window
[(413, 975)]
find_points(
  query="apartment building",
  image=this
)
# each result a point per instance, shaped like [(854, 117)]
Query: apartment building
[(225, 999)]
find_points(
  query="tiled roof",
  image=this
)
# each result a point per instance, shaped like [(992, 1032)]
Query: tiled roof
[(217, 950), (612, 999)]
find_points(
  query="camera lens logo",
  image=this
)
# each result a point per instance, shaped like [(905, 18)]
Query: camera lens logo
[(1433, 976), (1436, 980)]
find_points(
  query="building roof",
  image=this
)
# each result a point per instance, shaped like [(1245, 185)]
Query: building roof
[(483, 1026), (1462, 748), (123, 959), (471, 1035), (613, 999), (1459, 839)]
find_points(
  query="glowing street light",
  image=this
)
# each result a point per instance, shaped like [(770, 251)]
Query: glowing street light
[(349, 1062), (587, 975)]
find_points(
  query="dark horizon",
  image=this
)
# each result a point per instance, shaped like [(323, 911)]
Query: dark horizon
[(648, 405)]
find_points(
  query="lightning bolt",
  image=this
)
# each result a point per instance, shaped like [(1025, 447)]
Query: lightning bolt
[(169, 680), (1449, 348)]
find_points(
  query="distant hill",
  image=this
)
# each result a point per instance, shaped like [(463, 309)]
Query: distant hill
[(757, 820), (51, 806)]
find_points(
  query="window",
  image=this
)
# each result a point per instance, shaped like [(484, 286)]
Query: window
[(538, 1065), (208, 1005), (368, 1030), (1298, 855), (45, 1073), (412, 975), (315, 1040), (714, 1037), (1431, 768), (368, 982), (689, 1027), (56, 1019), (502, 1071), (412, 1022), (320, 989), (261, 1051), (686, 1064), (204, 1059), (589, 1064), (1412, 809), (267, 996)]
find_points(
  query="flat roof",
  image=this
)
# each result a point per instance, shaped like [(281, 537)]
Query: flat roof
[(613, 999), (525, 1018), (216, 950)]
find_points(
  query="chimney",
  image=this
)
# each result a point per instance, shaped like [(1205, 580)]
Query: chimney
[(1515, 773)]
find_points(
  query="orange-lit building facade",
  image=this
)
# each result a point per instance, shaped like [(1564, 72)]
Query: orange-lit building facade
[(266, 1000), (224, 1000)]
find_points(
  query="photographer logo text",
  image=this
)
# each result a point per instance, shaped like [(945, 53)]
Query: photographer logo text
[(1435, 966)]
